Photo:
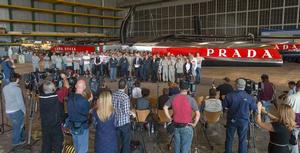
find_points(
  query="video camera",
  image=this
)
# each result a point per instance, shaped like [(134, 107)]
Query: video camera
[(33, 80), (130, 85), (252, 87), (58, 81)]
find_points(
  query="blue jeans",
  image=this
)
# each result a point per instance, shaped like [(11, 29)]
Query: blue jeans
[(113, 73), (81, 142), (183, 138), (267, 105), (241, 126), (295, 148), (198, 75), (123, 133), (17, 120)]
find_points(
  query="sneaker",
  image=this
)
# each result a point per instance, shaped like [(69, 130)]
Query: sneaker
[(21, 143)]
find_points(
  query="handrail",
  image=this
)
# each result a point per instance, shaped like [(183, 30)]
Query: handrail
[(83, 5), (41, 34), (57, 12), (59, 23)]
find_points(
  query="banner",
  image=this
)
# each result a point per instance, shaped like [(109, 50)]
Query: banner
[(258, 53), (64, 48), (292, 47)]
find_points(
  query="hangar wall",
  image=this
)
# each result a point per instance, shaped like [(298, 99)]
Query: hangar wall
[(217, 17), (40, 16)]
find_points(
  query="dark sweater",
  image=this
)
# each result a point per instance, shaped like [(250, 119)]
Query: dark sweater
[(78, 109), (51, 110)]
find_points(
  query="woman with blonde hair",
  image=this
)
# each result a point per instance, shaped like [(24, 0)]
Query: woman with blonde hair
[(280, 129), (104, 119)]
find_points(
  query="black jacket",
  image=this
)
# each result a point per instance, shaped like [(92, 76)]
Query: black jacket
[(51, 110)]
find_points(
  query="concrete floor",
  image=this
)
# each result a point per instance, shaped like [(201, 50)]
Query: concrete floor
[(157, 143)]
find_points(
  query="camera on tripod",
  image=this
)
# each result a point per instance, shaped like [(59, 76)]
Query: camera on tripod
[(251, 87), (130, 85), (33, 80)]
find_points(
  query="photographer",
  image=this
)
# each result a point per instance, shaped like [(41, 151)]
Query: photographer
[(239, 104), (15, 108), (52, 115), (8, 66), (77, 121)]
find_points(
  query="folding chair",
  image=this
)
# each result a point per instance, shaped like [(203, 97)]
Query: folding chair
[(162, 117)]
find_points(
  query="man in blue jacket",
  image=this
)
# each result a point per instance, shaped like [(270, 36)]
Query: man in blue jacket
[(239, 105)]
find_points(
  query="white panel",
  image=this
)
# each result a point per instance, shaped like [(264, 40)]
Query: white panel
[(4, 13), (5, 39), (42, 5), (64, 29), (21, 2), (63, 18), (63, 7), (81, 20), (44, 17), (96, 21), (45, 28), (21, 15), (81, 29), (22, 27), (3, 1)]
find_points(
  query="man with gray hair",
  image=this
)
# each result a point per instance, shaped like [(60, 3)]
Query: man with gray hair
[(239, 105), (52, 116)]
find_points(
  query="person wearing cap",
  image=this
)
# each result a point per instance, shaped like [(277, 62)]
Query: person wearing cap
[(225, 88), (239, 105), (183, 107)]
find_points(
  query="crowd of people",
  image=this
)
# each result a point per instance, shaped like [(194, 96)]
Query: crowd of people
[(111, 111), (143, 65)]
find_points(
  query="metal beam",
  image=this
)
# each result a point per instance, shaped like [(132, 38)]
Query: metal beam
[(59, 23), (83, 5), (18, 7)]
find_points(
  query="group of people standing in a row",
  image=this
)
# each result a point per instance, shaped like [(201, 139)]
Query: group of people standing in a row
[(143, 65)]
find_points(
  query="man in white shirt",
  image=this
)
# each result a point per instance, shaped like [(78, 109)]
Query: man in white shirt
[(199, 60), (86, 63), (212, 104), (294, 102)]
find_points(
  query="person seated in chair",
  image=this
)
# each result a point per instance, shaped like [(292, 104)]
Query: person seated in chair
[(143, 103), (137, 91), (212, 104), (163, 99)]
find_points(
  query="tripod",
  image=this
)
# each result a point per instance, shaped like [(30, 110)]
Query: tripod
[(2, 129), (252, 131), (33, 105)]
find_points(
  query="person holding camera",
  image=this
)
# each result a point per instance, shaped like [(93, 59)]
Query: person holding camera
[(183, 107), (52, 116), (239, 105), (15, 108), (280, 129), (8, 68), (77, 121)]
